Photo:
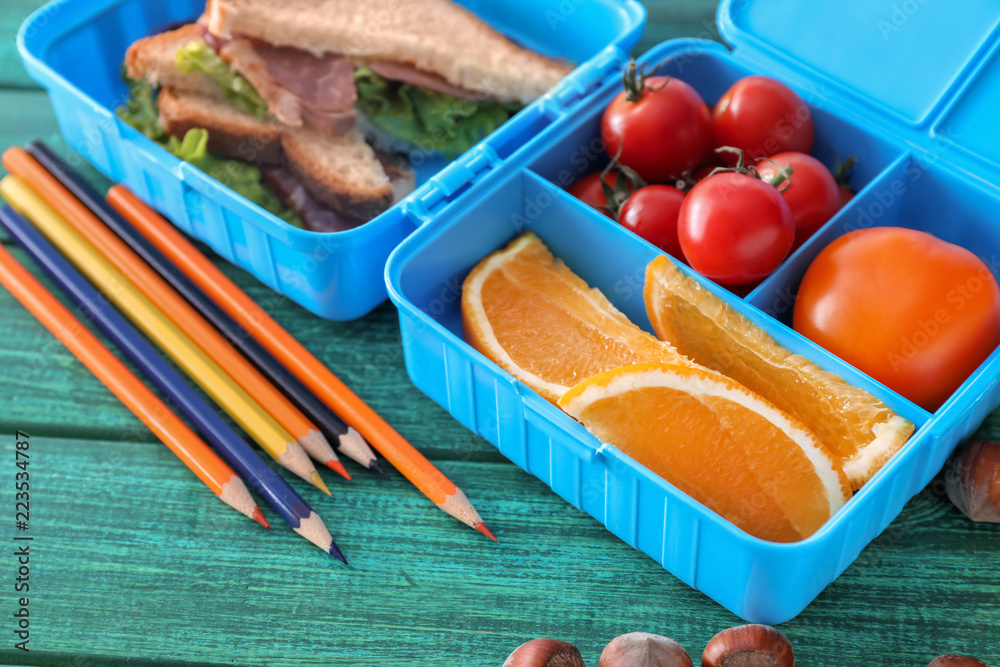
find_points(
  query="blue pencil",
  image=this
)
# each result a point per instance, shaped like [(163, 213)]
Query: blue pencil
[(213, 428), (345, 438)]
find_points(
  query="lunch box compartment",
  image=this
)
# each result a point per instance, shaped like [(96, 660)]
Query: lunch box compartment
[(701, 548), (917, 194), (75, 49), (952, 198), (577, 149), (913, 193)]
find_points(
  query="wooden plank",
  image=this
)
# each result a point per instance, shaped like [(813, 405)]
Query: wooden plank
[(669, 19), (13, 13), (178, 575), (27, 115)]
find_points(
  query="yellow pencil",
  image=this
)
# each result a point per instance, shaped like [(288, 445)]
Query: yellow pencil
[(251, 417)]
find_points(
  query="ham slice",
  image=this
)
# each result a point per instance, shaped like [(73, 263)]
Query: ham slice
[(316, 216), (300, 87), (325, 84), (297, 86), (395, 71)]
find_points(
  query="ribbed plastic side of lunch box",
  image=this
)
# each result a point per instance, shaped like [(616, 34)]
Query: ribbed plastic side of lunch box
[(75, 49), (901, 183)]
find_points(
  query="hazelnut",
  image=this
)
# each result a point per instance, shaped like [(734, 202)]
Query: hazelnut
[(545, 653), (641, 649), (953, 660), (749, 646), (972, 481)]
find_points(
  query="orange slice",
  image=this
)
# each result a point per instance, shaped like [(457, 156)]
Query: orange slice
[(850, 422), (718, 442), (526, 311)]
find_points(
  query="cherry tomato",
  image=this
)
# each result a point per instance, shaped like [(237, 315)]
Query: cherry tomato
[(916, 313), (588, 190), (735, 229), (812, 192), (762, 116), (666, 129), (652, 212)]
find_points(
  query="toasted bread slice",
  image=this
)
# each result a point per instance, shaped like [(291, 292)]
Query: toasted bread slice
[(342, 172), (435, 36), (231, 132), (155, 60)]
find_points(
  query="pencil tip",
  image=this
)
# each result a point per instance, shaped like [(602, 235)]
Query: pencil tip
[(481, 527), (338, 468), (336, 553), (319, 483), (354, 447), (374, 465), (258, 516)]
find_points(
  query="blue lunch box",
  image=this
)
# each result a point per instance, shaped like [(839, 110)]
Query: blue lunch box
[(919, 120), (75, 49)]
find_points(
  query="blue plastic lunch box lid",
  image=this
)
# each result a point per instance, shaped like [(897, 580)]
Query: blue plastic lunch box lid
[(938, 99)]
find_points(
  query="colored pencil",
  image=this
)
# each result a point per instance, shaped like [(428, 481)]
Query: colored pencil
[(20, 163), (171, 431), (331, 425), (213, 428), (400, 453), (274, 439)]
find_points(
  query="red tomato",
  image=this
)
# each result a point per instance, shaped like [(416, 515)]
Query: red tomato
[(665, 131), (652, 212), (762, 116), (812, 194), (916, 313), (735, 229), (588, 190)]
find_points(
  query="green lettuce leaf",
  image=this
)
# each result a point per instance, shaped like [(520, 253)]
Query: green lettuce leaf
[(243, 178), (198, 56), (140, 110), (429, 119)]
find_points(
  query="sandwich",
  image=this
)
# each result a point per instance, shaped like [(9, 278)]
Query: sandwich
[(328, 98)]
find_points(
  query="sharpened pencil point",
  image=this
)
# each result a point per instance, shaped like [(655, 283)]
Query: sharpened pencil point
[(319, 483), (335, 552), (258, 516), (374, 465), (338, 468), (481, 527)]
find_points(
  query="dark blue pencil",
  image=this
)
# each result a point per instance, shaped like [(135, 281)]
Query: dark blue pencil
[(345, 439), (213, 428)]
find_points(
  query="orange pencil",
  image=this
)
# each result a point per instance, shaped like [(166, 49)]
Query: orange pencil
[(174, 307), (404, 456), (171, 431)]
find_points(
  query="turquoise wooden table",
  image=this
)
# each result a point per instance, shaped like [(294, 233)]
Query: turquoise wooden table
[(176, 578)]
